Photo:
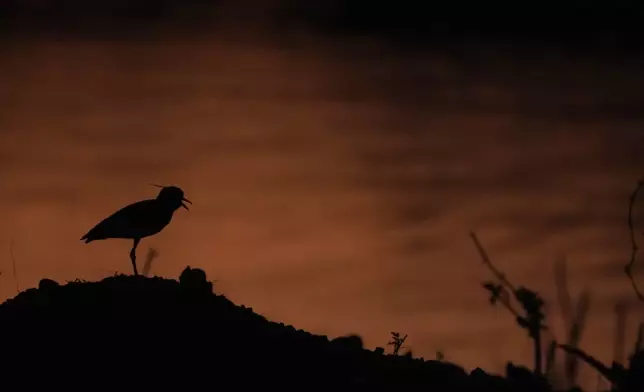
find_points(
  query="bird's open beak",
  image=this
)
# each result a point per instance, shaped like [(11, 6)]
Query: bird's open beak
[(184, 204)]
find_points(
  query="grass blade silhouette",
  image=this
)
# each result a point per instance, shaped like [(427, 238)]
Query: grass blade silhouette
[(574, 337), (152, 254)]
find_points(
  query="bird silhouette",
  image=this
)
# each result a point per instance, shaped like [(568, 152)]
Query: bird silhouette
[(139, 220)]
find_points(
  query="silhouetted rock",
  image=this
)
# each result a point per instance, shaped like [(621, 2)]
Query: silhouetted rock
[(47, 284), (487, 382), (195, 279), (349, 342), (139, 333), (524, 379)]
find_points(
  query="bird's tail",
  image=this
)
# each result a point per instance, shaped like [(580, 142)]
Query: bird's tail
[(96, 233)]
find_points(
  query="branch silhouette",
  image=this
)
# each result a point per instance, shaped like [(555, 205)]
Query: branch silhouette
[(628, 269)]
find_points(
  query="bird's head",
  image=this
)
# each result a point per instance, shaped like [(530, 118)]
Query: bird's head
[(172, 196)]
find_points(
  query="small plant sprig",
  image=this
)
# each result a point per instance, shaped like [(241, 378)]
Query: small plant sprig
[(532, 304), (397, 342)]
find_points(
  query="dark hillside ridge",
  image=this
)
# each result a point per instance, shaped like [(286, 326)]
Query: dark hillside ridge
[(138, 333)]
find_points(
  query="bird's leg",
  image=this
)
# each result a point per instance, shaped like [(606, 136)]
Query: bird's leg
[(133, 255)]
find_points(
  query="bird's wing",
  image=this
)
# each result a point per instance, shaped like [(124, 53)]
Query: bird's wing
[(124, 223)]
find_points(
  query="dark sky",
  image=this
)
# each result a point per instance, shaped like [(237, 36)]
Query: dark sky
[(581, 21)]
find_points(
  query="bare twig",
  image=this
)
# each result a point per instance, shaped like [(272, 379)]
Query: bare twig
[(504, 299), (628, 269), (13, 262), (604, 370), (531, 303), (500, 276), (486, 260)]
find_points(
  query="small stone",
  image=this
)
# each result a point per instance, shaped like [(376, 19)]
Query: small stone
[(46, 284)]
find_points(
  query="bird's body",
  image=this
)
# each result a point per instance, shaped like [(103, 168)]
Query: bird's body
[(139, 220)]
